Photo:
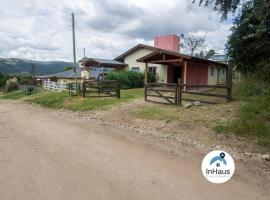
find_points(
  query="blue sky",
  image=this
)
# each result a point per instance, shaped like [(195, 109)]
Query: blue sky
[(41, 30)]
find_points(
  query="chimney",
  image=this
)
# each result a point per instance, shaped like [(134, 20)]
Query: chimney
[(168, 42)]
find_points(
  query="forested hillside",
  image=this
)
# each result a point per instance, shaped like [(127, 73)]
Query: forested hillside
[(18, 66)]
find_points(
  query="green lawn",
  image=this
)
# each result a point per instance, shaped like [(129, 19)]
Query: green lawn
[(64, 100), (170, 113)]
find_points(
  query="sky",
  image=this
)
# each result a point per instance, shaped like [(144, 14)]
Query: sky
[(42, 29)]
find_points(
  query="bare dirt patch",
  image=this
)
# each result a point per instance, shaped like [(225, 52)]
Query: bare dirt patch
[(47, 156)]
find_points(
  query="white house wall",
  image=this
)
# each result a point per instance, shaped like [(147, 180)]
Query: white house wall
[(131, 61), (212, 78)]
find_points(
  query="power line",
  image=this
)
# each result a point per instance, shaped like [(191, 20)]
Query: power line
[(55, 7)]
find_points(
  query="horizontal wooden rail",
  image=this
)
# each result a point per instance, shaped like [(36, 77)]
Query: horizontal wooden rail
[(152, 95), (103, 88), (161, 90), (205, 94), (202, 101), (161, 84), (208, 86)]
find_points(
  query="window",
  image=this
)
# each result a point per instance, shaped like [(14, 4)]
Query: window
[(212, 71), (152, 69), (223, 71), (135, 69)]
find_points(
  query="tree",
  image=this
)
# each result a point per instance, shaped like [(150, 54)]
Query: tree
[(222, 6), (249, 43), (210, 54), (68, 68), (206, 55), (193, 43)]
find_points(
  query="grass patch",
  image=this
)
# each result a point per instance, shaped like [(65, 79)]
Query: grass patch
[(253, 117), (158, 113), (18, 94), (64, 100)]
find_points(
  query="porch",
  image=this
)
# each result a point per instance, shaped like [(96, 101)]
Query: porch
[(185, 75)]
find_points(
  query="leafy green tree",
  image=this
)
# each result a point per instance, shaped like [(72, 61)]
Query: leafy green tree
[(249, 43), (3, 79), (207, 55), (222, 6), (210, 54), (68, 68)]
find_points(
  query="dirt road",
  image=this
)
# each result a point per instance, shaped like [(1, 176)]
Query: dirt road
[(46, 156)]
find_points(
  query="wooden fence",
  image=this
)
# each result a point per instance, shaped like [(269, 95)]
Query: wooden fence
[(101, 88), (175, 93), (167, 92)]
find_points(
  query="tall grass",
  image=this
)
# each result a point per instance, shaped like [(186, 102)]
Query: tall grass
[(253, 117)]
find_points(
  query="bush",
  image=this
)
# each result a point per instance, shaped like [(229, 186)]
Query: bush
[(253, 117), (263, 70), (152, 78), (3, 79), (128, 79), (24, 79), (11, 84), (250, 86)]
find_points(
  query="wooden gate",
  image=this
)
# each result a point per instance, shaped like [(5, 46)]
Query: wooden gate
[(161, 93), (101, 88)]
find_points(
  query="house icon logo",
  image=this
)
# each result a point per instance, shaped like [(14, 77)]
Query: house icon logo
[(218, 166)]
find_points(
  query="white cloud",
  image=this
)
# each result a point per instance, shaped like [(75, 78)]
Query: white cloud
[(42, 29)]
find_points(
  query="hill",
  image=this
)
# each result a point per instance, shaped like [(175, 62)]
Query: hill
[(19, 66)]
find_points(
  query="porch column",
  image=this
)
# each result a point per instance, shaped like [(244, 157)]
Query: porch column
[(185, 74), (145, 73)]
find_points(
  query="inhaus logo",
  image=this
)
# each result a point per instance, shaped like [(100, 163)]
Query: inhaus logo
[(218, 166)]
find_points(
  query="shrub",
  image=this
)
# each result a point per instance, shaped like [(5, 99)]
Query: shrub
[(152, 78), (11, 84), (128, 79), (3, 79), (253, 116), (24, 79), (263, 70), (250, 86)]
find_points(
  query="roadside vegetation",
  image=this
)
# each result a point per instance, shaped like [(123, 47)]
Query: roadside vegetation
[(169, 113), (130, 79), (252, 119), (66, 101)]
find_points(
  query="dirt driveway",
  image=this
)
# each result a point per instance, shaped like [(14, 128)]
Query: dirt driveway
[(47, 156)]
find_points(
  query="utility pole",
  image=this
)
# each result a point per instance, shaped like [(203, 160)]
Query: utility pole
[(84, 52), (74, 50), (33, 73), (33, 70)]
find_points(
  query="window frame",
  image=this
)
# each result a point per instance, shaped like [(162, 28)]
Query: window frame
[(152, 71), (135, 69)]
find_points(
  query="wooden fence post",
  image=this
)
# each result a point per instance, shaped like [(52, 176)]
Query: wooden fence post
[(98, 86), (118, 89), (176, 94), (145, 92), (83, 89), (229, 81), (179, 91)]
